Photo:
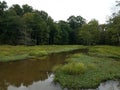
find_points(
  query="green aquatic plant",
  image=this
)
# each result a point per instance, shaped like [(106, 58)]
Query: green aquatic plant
[(74, 68), (13, 53)]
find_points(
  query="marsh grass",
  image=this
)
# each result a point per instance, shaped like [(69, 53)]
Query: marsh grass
[(105, 51), (14, 58), (38, 53), (98, 68), (74, 68), (13, 53)]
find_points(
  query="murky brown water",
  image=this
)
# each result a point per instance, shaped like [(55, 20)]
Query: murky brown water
[(37, 74), (26, 73)]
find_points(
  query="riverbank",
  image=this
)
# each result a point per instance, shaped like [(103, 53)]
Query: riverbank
[(101, 63), (15, 53)]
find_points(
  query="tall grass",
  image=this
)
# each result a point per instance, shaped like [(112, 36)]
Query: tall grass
[(10, 53), (105, 51), (74, 68)]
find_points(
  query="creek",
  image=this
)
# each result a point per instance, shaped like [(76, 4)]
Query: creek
[(37, 74)]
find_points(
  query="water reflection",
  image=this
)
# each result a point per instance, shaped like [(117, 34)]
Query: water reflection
[(28, 71), (109, 85), (41, 85), (49, 85)]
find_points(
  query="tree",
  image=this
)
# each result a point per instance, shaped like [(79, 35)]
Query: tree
[(84, 36), (103, 34), (27, 9), (3, 6), (64, 32), (17, 9), (75, 23), (89, 33), (11, 28), (113, 29), (54, 34), (94, 30)]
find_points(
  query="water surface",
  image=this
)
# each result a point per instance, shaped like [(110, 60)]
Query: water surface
[(26, 73)]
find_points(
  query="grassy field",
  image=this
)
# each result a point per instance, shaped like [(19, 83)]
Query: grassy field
[(13, 53), (101, 63)]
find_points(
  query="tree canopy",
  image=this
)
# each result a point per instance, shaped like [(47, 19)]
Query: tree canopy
[(23, 25)]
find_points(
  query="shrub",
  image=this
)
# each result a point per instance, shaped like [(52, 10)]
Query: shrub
[(74, 68)]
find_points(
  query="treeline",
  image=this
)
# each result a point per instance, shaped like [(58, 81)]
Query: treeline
[(23, 25)]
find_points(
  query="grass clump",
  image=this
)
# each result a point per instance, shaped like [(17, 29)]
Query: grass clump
[(74, 68)]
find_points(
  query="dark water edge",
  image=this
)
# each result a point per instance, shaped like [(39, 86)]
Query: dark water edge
[(37, 74)]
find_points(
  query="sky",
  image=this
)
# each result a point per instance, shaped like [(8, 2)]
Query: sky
[(63, 9)]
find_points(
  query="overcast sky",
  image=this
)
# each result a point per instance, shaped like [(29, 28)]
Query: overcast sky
[(62, 9)]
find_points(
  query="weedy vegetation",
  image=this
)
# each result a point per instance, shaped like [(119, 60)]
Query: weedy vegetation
[(101, 63), (13, 53)]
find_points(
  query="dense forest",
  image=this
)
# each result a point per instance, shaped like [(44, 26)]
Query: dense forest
[(23, 25)]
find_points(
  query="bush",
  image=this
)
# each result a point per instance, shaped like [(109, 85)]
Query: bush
[(74, 68)]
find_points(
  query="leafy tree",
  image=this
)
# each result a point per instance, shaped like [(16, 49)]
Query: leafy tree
[(3, 6), (113, 31), (11, 29), (75, 23), (54, 34), (102, 33), (17, 9), (26, 26), (89, 33), (64, 32), (94, 30), (85, 36), (27, 9)]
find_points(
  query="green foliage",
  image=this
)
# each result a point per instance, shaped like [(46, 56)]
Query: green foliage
[(89, 33), (75, 24), (3, 6), (27, 26)]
